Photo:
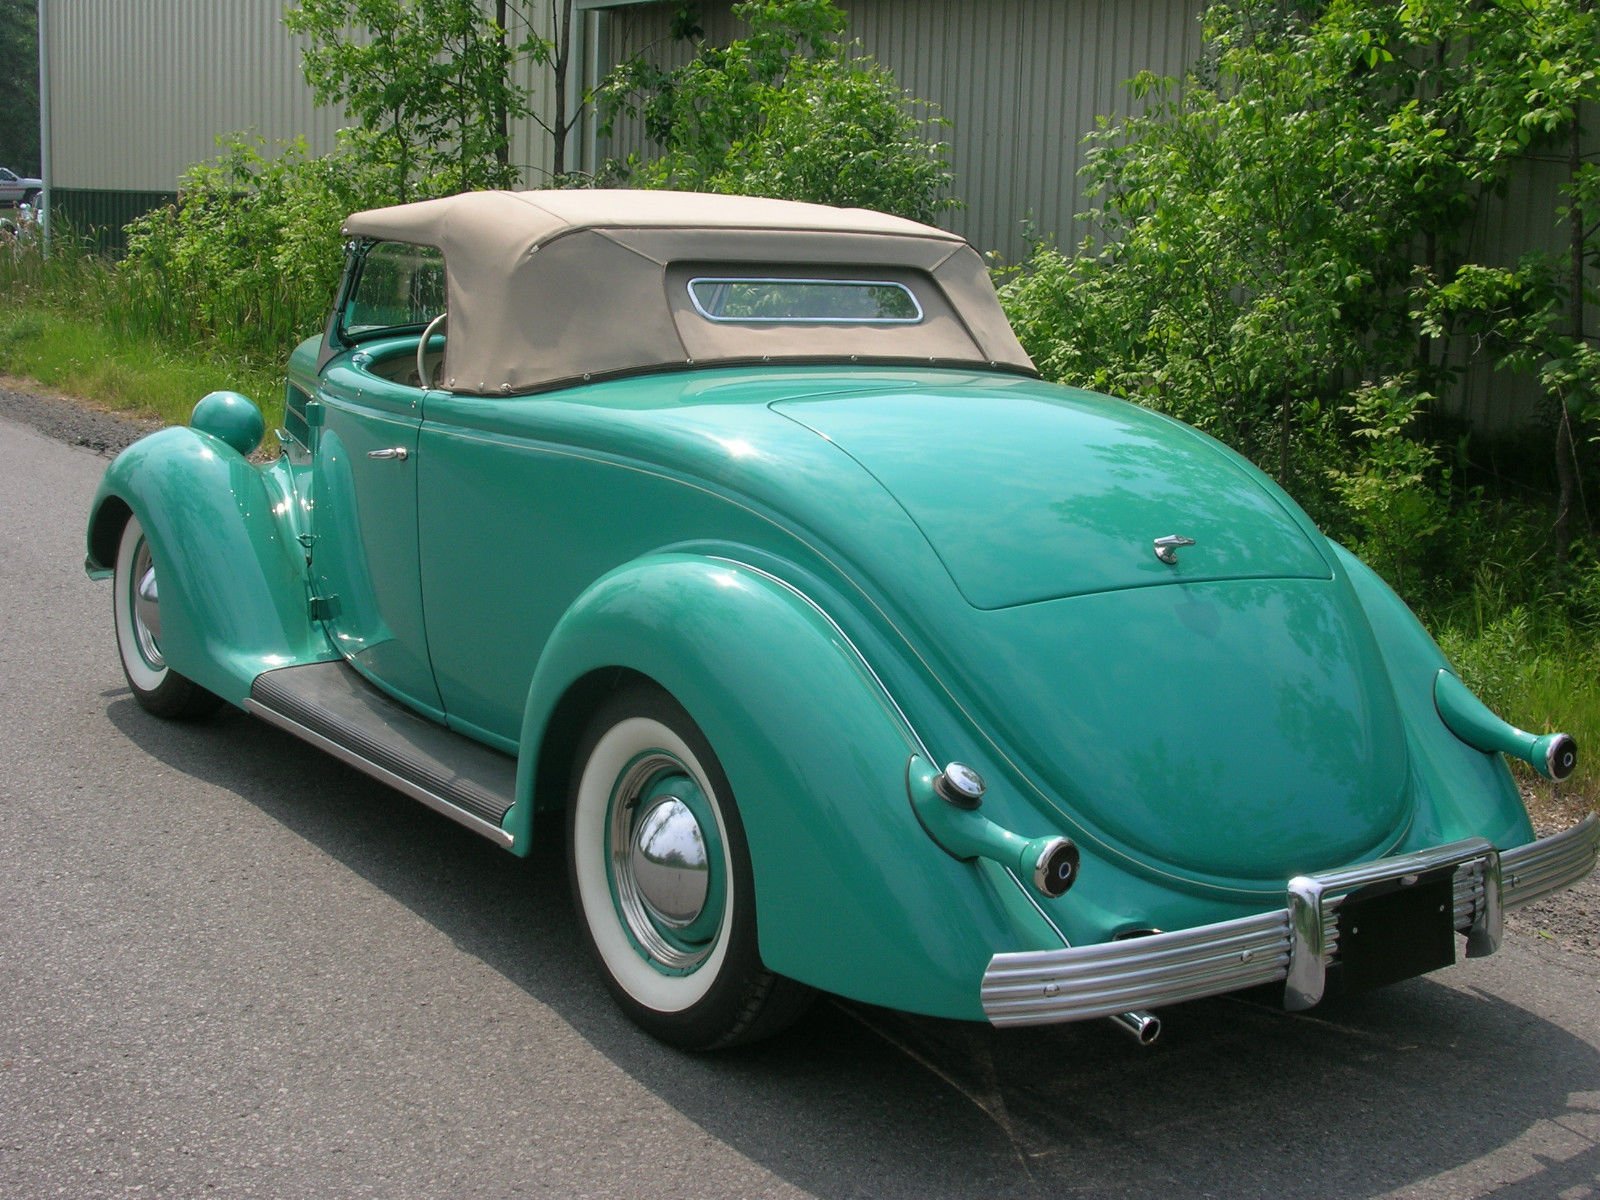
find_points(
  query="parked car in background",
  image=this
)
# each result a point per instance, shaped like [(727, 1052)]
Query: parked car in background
[(14, 189), (737, 544)]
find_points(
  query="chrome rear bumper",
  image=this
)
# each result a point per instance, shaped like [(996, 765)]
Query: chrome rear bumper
[(1296, 944)]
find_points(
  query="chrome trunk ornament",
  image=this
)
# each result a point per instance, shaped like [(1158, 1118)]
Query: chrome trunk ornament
[(1166, 548)]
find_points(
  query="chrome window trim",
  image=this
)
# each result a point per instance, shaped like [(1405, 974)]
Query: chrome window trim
[(1294, 945), (889, 283)]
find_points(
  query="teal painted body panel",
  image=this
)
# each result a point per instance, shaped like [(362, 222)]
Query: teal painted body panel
[(233, 592), (365, 566), (1073, 489), (1460, 791), (547, 494), (816, 752), (1226, 732), (835, 570)]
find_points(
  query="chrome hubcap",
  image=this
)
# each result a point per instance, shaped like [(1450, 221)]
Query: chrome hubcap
[(669, 863), (667, 868), (146, 605)]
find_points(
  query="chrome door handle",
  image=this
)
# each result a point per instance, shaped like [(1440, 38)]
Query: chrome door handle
[(398, 452)]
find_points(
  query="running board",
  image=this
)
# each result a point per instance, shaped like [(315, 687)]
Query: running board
[(331, 706)]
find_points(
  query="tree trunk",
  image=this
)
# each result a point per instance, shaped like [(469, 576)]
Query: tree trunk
[(1285, 429), (563, 39), (502, 121), (1566, 450)]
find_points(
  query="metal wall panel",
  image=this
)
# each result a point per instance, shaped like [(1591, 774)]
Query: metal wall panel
[(140, 89), (532, 151), (100, 216), (1020, 82), (1521, 219)]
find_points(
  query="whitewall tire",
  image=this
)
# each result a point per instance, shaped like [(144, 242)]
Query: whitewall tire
[(662, 881), (136, 607)]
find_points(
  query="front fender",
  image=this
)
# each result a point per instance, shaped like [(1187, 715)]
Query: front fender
[(852, 895), (232, 575), (1464, 792)]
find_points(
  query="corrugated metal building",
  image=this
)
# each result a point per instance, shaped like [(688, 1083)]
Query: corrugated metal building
[(1020, 81), (140, 89)]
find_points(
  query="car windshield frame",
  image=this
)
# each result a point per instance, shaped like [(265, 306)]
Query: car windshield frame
[(349, 334)]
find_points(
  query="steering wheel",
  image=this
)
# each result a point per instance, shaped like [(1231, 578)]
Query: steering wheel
[(422, 347)]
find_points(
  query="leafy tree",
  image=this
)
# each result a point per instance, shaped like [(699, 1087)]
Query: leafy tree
[(19, 99), (791, 110), (431, 82), (427, 80), (554, 52), (1281, 249)]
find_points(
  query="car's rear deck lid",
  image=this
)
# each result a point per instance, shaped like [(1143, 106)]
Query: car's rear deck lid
[(1029, 493)]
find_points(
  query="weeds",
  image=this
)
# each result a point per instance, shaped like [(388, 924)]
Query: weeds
[(76, 324), (1525, 635)]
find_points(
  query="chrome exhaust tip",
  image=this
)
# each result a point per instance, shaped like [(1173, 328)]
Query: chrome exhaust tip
[(1142, 1027)]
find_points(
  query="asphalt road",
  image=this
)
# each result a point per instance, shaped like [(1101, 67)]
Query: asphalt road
[(230, 966)]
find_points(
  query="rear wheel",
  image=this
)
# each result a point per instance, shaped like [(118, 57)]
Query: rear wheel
[(662, 880), (136, 603)]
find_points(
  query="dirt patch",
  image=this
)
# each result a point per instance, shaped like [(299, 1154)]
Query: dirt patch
[(73, 421)]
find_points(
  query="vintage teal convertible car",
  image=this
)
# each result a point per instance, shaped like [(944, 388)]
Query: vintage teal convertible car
[(737, 542)]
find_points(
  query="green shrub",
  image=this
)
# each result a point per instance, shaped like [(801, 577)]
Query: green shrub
[(789, 111), (1281, 251), (249, 257)]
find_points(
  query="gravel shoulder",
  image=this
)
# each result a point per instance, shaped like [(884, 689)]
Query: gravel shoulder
[(1568, 920), (76, 422)]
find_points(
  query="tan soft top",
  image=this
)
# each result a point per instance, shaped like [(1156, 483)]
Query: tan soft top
[(548, 288)]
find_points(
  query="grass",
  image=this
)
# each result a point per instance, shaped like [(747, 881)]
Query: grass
[(1541, 672), (77, 324), (78, 356)]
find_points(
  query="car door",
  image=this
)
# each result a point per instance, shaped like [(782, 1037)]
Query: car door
[(364, 565), (10, 187)]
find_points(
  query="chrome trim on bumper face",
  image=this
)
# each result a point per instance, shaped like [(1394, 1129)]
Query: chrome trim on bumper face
[(1312, 898), (1296, 944), (1539, 868)]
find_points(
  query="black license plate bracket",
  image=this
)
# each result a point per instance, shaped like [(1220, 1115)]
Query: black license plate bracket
[(1396, 929)]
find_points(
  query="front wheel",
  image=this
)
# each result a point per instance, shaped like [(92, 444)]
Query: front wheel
[(136, 604), (662, 881)]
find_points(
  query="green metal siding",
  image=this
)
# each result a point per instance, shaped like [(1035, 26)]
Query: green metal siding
[(100, 213)]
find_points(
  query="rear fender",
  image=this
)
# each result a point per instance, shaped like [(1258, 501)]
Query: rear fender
[(232, 574), (852, 895), (1466, 793)]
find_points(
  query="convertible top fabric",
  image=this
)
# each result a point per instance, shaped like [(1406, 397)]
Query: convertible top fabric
[(549, 288)]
